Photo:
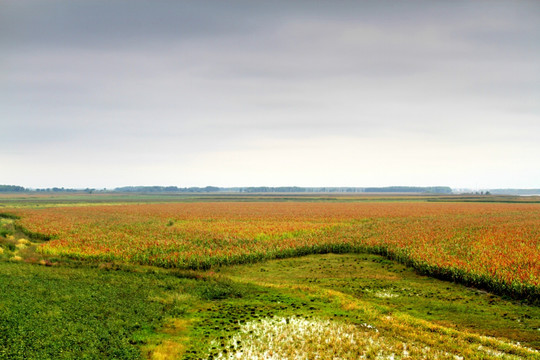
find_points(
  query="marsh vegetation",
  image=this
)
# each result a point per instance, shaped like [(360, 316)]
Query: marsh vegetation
[(347, 305)]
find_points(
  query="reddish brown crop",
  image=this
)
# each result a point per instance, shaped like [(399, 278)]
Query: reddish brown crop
[(493, 245)]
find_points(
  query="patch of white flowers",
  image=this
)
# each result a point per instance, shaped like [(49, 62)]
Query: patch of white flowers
[(299, 338), (385, 294), (295, 338)]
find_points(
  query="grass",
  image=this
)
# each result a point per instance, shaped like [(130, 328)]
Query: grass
[(381, 282), (75, 311), (422, 317)]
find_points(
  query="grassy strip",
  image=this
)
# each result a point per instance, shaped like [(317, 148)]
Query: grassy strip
[(32, 235)]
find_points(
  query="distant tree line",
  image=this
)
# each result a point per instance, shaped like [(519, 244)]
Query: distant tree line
[(249, 189), (12, 188), (411, 189), (18, 189), (515, 191), (286, 189), (64, 190), (279, 189), (167, 189)]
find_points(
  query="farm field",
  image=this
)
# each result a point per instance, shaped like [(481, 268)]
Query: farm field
[(491, 245), (196, 279)]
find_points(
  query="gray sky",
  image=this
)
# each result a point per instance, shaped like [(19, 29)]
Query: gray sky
[(238, 93)]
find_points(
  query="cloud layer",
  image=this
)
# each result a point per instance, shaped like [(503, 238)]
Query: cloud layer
[(107, 93)]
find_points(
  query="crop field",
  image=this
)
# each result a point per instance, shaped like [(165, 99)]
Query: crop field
[(490, 245), (254, 278)]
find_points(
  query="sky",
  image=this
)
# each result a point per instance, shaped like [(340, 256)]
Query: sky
[(108, 93)]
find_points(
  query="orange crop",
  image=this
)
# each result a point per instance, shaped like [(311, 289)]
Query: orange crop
[(492, 245)]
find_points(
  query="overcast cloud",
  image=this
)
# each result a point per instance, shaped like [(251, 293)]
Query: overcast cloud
[(239, 93)]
